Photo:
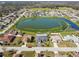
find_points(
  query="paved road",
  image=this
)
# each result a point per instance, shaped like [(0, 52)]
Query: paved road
[(12, 23), (41, 49), (56, 46), (8, 15)]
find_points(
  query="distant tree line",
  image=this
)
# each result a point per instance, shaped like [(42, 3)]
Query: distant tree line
[(31, 4)]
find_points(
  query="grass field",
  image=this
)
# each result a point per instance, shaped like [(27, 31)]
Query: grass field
[(48, 53), (28, 53), (66, 44), (67, 54)]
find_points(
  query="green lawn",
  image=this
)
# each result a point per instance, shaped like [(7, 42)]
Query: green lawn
[(66, 44), (69, 33), (28, 53), (77, 23), (48, 53), (35, 9), (9, 53), (47, 44), (17, 42), (67, 54), (33, 44)]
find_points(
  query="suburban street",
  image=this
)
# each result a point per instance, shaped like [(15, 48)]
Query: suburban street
[(40, 49), (21, 15)]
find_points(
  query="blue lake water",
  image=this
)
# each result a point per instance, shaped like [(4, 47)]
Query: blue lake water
[(40, 23), (73, 25), (45, 23)]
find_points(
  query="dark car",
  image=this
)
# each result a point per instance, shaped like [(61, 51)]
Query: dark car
[(1, 54)]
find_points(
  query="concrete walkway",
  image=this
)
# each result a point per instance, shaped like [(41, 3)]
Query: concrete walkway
[(56, 46), (42, 48)]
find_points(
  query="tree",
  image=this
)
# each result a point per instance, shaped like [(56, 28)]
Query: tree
[(32, 39), (1, 15)]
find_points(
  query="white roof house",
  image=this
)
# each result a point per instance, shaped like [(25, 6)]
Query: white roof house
[(41, 34), (55, 37), (71, 37), (41, 37)]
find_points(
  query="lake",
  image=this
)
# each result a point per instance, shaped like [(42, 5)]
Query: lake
[(45, 23), (40, 23)]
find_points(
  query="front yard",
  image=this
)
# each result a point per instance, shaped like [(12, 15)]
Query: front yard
[(66, 44)]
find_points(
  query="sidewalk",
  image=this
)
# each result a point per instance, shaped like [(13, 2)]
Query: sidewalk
[(56, 46)]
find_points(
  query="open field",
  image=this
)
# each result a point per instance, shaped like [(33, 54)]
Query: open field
[(67, 54), (66, 44)]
